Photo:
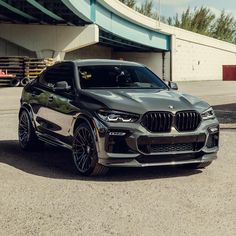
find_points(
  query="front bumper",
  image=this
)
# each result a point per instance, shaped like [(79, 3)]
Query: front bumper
[(131, 145), (133, 162)]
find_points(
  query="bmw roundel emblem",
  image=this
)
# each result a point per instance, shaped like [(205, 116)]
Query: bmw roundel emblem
[(171, 107)]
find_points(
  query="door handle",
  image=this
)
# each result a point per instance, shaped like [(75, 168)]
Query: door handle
[(50, 99)]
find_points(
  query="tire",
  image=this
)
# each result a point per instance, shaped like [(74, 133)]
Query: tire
[(198, 165), (84, 152), (15, 82), (27, 138), (24, 81)]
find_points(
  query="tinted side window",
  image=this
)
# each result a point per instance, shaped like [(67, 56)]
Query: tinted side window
[(61, 72)]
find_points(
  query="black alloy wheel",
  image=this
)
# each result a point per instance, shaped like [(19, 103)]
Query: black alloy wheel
[(26, 134), (85, 152)]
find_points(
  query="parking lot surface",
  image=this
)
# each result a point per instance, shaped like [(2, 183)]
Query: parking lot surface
[(40, 194)]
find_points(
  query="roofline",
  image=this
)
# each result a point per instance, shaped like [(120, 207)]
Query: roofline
[(89, 62), (106, 62)]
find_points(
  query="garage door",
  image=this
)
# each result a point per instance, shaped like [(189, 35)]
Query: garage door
[(229, 72)]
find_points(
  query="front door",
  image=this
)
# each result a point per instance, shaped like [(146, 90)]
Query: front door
[(60, 111)]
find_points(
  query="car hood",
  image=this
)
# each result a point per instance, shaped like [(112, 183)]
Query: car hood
[(143, 100)]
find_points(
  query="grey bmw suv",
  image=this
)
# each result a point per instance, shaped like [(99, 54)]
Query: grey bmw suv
[(116, 114)]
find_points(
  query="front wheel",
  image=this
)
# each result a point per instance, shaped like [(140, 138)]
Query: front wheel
[(85, 153), (26, 133)]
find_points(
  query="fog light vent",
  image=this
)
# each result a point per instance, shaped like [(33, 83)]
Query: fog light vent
[(213, 140)]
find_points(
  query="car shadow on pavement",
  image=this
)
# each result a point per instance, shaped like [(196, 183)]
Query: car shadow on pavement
[(57, 163), (226, 113)]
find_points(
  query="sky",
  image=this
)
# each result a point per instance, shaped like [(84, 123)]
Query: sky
[(171, 7)]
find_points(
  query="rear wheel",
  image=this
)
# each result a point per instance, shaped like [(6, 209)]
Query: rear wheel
[(85, 152), (26, 133)]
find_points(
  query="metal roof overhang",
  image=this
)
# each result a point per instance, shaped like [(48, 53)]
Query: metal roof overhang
[(115, 31), (38, 12)]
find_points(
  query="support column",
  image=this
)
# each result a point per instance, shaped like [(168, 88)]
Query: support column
[(172, 57), (39, 54), (50, 40), (59, 56)]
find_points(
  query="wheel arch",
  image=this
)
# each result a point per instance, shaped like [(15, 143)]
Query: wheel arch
[(84, 119), (27, 108)]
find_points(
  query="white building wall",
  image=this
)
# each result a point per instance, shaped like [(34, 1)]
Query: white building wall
[(167, 66), (194, 61), (194, 56)]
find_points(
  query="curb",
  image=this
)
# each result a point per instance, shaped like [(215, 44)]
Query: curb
[(228, 126)]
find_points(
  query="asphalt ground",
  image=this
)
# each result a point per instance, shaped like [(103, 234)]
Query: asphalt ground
[(40, 193)]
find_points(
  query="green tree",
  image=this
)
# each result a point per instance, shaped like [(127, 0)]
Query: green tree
[(169, 21), (224, 28), (199, 21), (129, 3), (202, 21), (146, 8)]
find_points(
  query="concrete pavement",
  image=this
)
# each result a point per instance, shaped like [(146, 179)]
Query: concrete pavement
[(40, 194)]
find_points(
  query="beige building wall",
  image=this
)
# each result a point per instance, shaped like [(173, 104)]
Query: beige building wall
[(194, 61), (151, 60), (11, 49), (91, 52)]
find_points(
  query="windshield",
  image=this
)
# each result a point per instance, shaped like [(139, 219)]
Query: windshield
[(119, 77)]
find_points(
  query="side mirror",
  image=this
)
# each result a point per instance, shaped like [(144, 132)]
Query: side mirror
[(173, 85), (61, 86)]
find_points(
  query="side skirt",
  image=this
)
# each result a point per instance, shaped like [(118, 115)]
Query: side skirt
[(53, 141)]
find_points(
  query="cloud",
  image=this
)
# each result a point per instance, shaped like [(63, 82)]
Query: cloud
[(179, 10), (216, 11), (175, 3), (232, 12)]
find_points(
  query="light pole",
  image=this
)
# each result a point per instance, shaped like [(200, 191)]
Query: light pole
[(159, 12)]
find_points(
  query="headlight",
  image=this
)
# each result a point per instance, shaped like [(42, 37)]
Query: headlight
[(208, 114), (117, 116)]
